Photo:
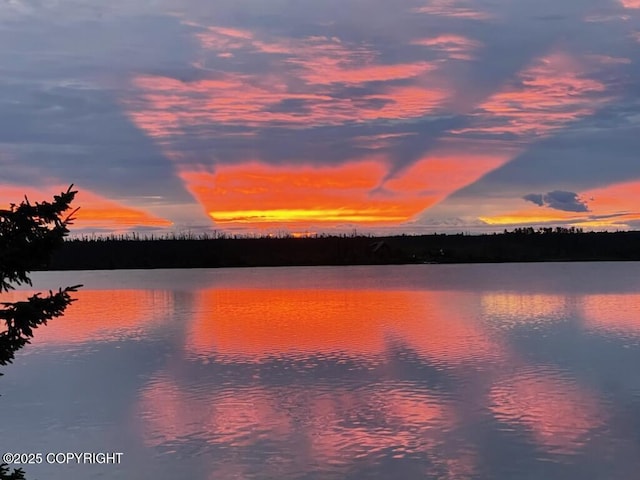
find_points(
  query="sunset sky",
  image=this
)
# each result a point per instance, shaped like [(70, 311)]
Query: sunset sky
[(405, 116)]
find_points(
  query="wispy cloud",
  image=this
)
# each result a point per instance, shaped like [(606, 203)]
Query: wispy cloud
[(454, 8), (546, 96)]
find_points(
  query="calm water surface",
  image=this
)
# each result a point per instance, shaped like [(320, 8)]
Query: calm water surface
[(408, 372)]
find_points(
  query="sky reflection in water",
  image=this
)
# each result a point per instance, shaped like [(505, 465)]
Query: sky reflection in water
[(366, 372)]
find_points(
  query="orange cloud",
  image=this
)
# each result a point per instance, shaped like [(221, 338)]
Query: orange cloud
[(616, 198), (98, 212), (445, 171), (619, 201), (549, 94), (259, 195), (262, 195), (95, 211)]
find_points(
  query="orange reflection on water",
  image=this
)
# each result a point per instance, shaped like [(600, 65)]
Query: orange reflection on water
[(612, 313), (557, 411), (510, 309), (255, 324), (101, 315)]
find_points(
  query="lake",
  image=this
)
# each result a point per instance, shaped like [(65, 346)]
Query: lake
[(510, 371)]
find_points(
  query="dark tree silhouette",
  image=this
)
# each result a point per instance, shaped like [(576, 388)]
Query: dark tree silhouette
[(28, 235)]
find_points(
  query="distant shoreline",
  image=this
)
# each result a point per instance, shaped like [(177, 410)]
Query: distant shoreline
[(523, 245)]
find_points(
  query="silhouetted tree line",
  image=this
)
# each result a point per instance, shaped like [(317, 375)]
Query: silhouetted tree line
[(544, 231), (28, 235), (520, 245)]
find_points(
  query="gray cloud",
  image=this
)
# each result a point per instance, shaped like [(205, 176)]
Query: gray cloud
[(536, 198), (559, 200)]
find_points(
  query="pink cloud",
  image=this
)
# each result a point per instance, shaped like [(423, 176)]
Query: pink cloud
[(166, 106), (552, 92), (631, 4), (455, 47), (453, 8)]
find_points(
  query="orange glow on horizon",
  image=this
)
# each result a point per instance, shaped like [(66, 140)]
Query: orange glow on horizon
[(95, 211), (532, 216), (618, 197), (612, 206), (299, 215), (262, 195)]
